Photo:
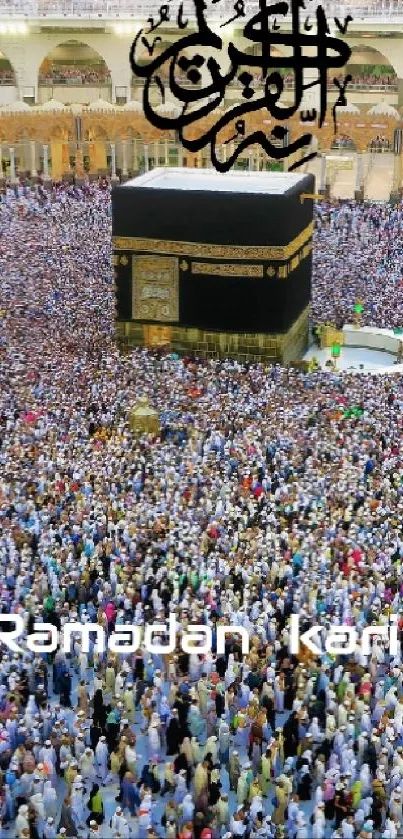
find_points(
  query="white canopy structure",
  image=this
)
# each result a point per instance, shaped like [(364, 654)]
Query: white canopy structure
[(383, 109), (168, 109), (350, 108), (52, 105), (16, 107), (133, 105), (102, 105)]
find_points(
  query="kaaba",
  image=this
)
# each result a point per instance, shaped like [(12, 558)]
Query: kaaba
[(214, 264)]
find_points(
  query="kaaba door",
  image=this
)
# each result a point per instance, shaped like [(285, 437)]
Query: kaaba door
[(157, 336)]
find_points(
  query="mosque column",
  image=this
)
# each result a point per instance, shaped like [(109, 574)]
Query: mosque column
[(166, 153), (146, 160), (46, 176), (13, 176), (156, 153), (322, 175), (125, 172), (34, 173), (396, 193), (359, 187), (311, 96), (45, 160), (135, 157), (310, 107), (180, 154), (114, 177)]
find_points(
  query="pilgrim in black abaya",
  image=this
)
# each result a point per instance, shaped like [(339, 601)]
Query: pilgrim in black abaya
[(174, 736)]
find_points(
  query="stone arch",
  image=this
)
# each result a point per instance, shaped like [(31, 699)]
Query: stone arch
[(56, 133), (25, 133), (71, 46), (386, 50), (7, 65), (96, 138), (95, 132), (133, 132), (366, 56), (60, 130), (357, 136), (345, 140), (114, 51), (27, 61), (379, 139)]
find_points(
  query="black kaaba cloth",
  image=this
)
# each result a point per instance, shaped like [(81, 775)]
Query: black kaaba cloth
[(204, 250)]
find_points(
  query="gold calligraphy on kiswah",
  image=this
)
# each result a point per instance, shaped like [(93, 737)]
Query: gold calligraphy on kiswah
[(155, 288), (187, 74), (199, 250), (231, 269)]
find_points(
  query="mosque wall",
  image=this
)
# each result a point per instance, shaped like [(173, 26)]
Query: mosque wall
[(26, 52), (26, 61)]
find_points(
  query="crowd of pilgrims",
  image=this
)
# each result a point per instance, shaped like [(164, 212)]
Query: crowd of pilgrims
[(268, 492), (75, 73), (358, 255)]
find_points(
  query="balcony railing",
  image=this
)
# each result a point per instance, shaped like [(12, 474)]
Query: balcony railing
[(358, 86), (141, 9), (289, 85), (73, 82)]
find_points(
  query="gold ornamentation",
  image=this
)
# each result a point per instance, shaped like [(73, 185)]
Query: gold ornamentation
[(124, 260), (115, 259), (306, 250), (286, 346), (157, 336), (313, 196), (294, 263), (184, 265), (79, 164), (195, 250), (155, 291), (271, 272), (329, 336), (285, 270), (227, 269)]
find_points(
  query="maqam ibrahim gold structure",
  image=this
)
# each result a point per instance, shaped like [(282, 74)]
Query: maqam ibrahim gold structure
[(143, 418)]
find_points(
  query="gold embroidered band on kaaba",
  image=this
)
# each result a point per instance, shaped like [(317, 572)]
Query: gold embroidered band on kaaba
[(197, 250), (226, 269)]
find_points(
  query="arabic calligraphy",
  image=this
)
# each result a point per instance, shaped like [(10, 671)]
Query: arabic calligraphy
[(198, 65), (155, 288)]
